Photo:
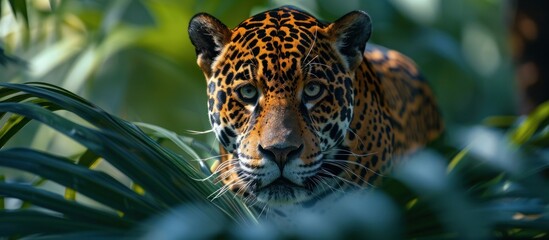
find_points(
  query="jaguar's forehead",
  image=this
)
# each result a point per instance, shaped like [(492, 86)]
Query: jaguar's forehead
[(281, 18), (276, 43)]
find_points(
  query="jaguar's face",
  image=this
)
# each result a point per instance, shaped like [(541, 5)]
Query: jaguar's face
[(280, 89)]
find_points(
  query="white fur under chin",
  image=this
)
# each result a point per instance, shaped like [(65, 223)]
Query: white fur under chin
[(282, 215)]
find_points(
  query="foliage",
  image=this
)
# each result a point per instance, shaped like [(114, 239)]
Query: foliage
[(499, 192), (164, 179), (94, 175)]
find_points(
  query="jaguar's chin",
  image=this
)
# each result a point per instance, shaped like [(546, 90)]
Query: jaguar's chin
[(283, 192)]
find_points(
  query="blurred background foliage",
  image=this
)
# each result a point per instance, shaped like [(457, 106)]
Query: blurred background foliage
[(134, 58)]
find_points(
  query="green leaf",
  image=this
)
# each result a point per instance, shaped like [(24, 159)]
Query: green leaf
[(540, 139), (182, 142), (27, 222), (103, 235), (20, 7), (164, 176), (526, 130), (96, 185), (504, 122), (16, 123), (124, 154), (89, 159), (70, 209), (2, 199)]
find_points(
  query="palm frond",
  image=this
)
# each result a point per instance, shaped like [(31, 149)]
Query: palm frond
[(166, 178)]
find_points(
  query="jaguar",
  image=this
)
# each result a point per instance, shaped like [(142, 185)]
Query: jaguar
[(303, 108)]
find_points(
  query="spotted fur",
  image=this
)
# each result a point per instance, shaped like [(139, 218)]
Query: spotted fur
[(302, 107)]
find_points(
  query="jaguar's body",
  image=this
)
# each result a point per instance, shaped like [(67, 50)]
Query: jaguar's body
[(301, 108)]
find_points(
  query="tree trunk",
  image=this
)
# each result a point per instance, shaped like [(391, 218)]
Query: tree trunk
[(530, 50)]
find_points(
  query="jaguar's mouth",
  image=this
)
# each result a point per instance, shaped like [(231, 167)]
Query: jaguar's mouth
[(283, 191)]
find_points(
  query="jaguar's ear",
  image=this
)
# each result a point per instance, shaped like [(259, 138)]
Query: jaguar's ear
[(209, 36), (351, 32)]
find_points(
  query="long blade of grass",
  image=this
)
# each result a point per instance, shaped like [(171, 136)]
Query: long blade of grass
[(96, 185), (172, 136), (122, 154), (158, 164), (27, 222), (89, 112), (102, 235), (20, 7), (67, 101), (15, 123), (87, 159), (70, 209), (162, 173), (228, 203), (15, 98), (527, 129), (2, 199)]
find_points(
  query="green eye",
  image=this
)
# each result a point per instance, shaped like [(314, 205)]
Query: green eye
[(248, 93), (312, 91)]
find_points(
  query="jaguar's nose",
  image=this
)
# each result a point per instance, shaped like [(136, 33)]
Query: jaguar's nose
[(280, 154)]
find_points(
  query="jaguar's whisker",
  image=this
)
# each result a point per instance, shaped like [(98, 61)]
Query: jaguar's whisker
[(193, 132), (357, 136), (323, 181), (342, 179), (210, 158), (320, 64), (310, 49), (218, 170), (225, 189), (349, 172), (348, 153), (219, 191), (265, 206), (355, 164)]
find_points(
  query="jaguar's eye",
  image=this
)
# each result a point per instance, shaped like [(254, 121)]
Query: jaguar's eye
[(248, 93), (312, 91)]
